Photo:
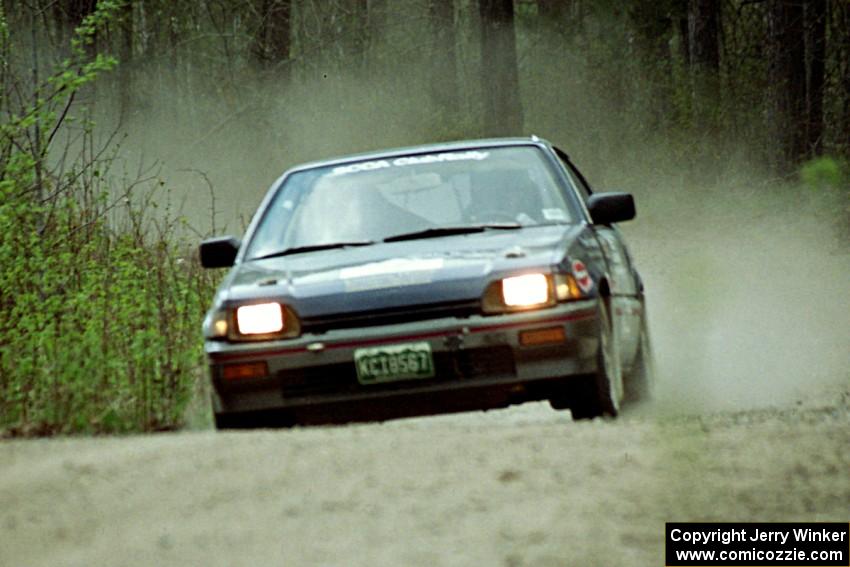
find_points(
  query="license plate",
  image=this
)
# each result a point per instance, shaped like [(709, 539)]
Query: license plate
[(407, 361)]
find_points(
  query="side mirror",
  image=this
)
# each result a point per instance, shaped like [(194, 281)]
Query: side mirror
[(219, 252), (608, 208)]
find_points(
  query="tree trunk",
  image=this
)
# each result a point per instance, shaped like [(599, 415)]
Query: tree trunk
[(443, 82), (652, 25), (125, 70), (500, 77), (359, 39), (685, 40), (553, 11), (377, 19), (703, 27), (77, 10), (561, 16), (704, 57), (787, 77), (273, 39), (841, 14), (816, 27), (69, 14)]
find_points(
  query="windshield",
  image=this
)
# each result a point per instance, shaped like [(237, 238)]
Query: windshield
[(369, 201)]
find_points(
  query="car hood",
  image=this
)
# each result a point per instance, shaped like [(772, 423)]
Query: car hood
[(392, 275)]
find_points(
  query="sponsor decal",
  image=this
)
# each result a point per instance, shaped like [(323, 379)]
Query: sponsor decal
[(555, 215), (472, 155), (397, 272), (583, 279)]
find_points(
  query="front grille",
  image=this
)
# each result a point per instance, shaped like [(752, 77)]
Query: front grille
[(448, 366), (393, 316), (474, 363)]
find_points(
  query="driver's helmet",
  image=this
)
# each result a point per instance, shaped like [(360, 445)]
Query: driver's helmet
[(507, 195)]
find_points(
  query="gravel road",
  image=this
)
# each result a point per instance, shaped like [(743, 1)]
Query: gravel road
[(523, 486), (751, 423)]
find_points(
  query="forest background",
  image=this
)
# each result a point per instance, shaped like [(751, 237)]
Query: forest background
[(130, 129)]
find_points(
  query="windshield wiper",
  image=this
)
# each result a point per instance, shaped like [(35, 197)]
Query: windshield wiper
[(313, 248), (452, 230)]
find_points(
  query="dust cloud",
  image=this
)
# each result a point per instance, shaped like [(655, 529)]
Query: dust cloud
[(748, 300), (240, 143), (746, 277)]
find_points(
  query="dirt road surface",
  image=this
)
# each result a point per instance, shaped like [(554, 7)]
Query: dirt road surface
[(523, 486)]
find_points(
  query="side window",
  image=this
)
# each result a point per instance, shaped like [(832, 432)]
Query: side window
[(576, 177)]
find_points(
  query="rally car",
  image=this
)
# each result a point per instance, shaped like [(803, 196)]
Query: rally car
[(440, 278)]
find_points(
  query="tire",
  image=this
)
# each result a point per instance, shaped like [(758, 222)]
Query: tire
[(601, 393), (639, 383)]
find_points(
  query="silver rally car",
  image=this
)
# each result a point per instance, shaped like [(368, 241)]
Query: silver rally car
[(440, 278)]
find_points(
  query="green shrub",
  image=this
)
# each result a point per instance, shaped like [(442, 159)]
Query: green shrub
[(100, 305), (99, 326), (824, 174), (828, 178)]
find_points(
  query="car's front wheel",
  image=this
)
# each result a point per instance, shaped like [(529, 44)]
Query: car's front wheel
[(639, 381), (602, 392)]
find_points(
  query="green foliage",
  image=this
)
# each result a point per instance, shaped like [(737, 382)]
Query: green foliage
[(98, 326), (828, 178), (99, 307), (824, 174)]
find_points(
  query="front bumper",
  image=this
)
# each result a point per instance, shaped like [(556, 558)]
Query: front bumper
[(479, 360)]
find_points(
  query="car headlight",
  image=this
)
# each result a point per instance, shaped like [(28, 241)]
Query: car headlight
[(519, 293), (529, 291), (259, 319), (216, 324), (253, 322)]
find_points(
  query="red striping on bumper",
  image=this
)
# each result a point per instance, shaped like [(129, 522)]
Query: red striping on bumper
[(579, 315)]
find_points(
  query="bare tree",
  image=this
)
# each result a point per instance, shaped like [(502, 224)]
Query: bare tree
[(273, 39), (787, 78), (125, 70), (652, 23), (338, 33), (565, 17), (553, 11), (816, 39), (703, 27), (358, 35), (500, 77), (66, 15), (684, 32), (841, 13), (444, 84), (704, 58), (76, 10)]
